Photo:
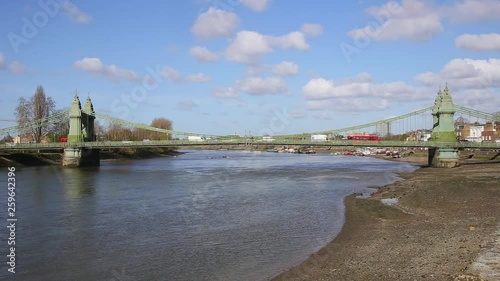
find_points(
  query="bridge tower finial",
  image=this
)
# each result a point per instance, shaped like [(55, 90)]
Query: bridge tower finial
[(76, 105), (75, 120), (88, 107)]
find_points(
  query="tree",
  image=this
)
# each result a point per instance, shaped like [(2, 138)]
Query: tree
[(99, 130), (59, 130), (118, 132), (161, 123), (461, 120), (37, 107)]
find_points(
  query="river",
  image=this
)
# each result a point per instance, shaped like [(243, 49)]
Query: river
[(204, 215)]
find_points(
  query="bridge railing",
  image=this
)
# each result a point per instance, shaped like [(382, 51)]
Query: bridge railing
[(284, 142)]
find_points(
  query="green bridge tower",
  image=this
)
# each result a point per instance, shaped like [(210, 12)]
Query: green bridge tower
[(81, 129), (444, 131)]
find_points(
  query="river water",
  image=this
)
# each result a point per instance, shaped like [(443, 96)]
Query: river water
[(204, 215)]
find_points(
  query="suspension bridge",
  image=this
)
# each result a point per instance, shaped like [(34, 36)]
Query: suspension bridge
[(432, 128)]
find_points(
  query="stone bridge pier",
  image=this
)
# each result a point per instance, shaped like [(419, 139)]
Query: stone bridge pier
[(81, 129), (80, 157)]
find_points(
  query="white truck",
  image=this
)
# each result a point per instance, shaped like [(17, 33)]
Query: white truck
[(267, 138), (319, 138), (195, 138)]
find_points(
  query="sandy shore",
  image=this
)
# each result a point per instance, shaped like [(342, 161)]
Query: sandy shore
[(441, 228)]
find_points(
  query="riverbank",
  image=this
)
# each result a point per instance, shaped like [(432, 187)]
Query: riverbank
[(442, 221), (55, 157)]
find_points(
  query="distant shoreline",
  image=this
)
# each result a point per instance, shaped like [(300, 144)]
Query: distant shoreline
[(55, 158)]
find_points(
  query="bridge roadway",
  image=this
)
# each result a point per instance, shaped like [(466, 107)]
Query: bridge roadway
[(242, 141)]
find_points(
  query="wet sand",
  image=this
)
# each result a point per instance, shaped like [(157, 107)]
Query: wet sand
[(444, 220)]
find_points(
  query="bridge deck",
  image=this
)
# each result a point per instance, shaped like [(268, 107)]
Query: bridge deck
[(181, 143)]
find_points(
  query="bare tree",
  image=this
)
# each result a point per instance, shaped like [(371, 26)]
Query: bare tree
[(99, 130), (461, 120), (161, 123), (118, 132), (59, 129), (36, 108)]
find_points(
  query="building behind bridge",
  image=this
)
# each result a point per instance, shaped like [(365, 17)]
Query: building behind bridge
[(476, 132), (383, 129)]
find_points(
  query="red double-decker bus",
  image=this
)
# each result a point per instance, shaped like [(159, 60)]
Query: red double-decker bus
[(363, 137)]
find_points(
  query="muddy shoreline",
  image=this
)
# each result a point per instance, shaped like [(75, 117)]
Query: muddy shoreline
[(442, 221)]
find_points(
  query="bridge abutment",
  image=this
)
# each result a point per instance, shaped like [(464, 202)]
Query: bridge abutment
[(80, 157)]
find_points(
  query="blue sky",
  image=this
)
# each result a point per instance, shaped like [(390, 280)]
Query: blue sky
[(265, 66)]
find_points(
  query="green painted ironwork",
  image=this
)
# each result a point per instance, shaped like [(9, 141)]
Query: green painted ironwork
[(29, 126), (81, 121), (443, 111), (247, 142), (82, 128), (477, 113), (146, 127), (362, 126)]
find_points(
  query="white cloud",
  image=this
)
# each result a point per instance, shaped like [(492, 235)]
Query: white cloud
[(479, 42), (465, 73), (472, 10), (311, 29), (485, 100), (16, 68), (225, 92), (2, 61), (247, 47), (215, 23), (74, 13), (323, 89), (198, 78), (259, 86), (293, 40), (473, 83), (113, 72), (170, 74), (202, 54), (256, 5), (286, 68), (420, 20), (412, 19)]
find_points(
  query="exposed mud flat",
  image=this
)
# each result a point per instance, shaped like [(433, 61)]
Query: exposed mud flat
[(444, 224)]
